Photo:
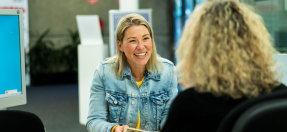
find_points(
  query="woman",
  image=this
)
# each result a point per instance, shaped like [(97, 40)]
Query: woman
[(224, 59), (135, 87)]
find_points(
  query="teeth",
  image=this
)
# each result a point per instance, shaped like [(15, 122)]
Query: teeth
[(142, 54)]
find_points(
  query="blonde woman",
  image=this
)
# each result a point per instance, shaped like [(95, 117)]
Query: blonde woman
[(136, 86), (224, 59)]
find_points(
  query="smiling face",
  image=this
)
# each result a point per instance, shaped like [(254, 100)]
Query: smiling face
[(137, 45)]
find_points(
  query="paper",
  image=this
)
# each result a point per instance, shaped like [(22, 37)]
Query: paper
[(136, 130)]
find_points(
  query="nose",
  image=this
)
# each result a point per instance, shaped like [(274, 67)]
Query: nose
[(140, 45)]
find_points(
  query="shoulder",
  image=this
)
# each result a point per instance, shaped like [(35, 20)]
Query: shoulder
[(183, 99), (106, 64), (200, 100), (166, 67), (165, 61), (187, 94), (105, 70), (182, 104), (280, 87)]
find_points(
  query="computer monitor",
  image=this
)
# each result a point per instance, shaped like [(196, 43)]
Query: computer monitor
[(12, 60), (281, 67)]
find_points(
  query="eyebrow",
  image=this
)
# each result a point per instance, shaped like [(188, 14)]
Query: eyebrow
[(135, 37), (130, 38), (145, 35)]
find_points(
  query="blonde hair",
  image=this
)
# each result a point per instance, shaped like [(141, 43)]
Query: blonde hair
[(119, 60), (226, 49)]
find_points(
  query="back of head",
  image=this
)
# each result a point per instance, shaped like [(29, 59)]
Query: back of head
[(226, 49)]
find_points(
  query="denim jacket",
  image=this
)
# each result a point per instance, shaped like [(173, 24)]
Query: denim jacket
[(116, 101)]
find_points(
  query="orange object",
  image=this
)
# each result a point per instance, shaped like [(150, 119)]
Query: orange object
[(92, 2)]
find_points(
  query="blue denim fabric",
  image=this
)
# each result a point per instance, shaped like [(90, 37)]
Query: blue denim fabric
[(117, 100)]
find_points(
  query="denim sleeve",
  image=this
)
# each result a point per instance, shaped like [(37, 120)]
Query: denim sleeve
[(172, 94), (98, 108)]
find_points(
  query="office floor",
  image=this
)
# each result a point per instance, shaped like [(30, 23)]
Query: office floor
[(56, 105)]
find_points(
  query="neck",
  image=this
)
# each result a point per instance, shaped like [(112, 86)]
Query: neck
[(138, 72)]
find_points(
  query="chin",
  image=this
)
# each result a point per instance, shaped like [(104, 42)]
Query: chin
[(142, 63)]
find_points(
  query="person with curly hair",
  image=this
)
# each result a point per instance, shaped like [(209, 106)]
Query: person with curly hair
[(225, 58)]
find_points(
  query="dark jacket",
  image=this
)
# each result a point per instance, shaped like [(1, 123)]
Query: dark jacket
[(200, 112)]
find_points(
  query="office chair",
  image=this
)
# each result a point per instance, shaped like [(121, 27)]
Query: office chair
[(227, 123), (269, 116), (20, 121)]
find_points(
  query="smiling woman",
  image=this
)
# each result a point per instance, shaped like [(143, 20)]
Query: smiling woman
[(136, 86), (137, 47)]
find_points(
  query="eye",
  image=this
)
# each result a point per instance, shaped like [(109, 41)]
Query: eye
[(131, 41), (146, 38)]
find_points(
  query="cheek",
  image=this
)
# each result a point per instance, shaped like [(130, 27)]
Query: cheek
[(130, 48), (149, 46)]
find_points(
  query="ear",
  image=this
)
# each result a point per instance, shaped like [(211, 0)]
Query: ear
[(120, 45)]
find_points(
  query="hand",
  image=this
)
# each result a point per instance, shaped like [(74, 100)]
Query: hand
[(120, 128)]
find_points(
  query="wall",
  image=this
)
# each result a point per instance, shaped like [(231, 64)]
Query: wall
[(274, 15), (59, 15)]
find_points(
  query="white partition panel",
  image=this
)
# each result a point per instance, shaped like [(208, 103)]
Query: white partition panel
[(89, 29), (89, 57), (91, 52)]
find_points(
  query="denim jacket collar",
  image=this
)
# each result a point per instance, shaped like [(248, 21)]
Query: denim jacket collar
[(127, 72)]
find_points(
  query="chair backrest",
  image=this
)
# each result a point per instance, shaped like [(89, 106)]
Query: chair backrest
[(269, 116), (20, 121), (229, 120)]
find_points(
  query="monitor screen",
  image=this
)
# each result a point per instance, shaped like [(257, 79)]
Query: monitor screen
[(12, 68), (281, 67)]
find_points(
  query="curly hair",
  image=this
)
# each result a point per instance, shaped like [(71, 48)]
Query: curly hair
[(225, 49)]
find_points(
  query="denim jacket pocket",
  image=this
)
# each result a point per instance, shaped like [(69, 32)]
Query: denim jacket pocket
[(158, 103), (117, 104)]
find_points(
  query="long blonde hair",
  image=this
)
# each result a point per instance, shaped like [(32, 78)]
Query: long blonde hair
[(226, 49), (119, 60)]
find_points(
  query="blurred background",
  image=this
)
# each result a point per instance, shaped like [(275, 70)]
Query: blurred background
[(53, 38)]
